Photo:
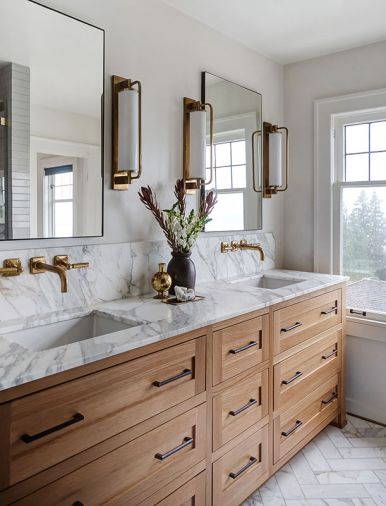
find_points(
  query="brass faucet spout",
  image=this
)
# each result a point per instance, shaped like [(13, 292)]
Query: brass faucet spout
[(256, 247), (39, 265)]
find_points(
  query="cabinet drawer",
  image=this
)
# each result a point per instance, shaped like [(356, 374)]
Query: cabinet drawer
[(239, 347), (299, 375), (241, 471), (239, 407), (293, 425), (51, 426), (190, 494), (296, 323), (122, 474)]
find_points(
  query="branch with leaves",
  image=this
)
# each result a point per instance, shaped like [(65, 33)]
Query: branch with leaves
[(181, 230)]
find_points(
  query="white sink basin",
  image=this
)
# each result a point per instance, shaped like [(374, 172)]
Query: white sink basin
[(266, 281), (44, 337)]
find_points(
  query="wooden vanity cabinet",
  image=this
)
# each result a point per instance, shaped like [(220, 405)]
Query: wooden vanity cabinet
[(202, 418)]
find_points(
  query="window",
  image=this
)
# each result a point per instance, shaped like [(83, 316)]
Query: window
[(229, 181), (59, 205), (361, 204)]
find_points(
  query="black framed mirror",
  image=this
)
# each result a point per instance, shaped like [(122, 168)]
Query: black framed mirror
[(237, 154), (51, 123)]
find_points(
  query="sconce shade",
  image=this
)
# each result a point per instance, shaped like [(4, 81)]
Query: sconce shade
[(128, 130), (197, 144), (275, 160)]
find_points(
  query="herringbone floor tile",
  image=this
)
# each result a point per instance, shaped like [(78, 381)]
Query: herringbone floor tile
[(338, 468)]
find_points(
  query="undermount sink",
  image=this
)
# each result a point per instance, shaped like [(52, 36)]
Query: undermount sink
[(268, 282), (53, 335)]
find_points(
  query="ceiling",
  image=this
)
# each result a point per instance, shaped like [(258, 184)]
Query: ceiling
[(292, 30)]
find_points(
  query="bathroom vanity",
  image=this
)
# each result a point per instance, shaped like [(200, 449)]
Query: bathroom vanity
[(200, 404)]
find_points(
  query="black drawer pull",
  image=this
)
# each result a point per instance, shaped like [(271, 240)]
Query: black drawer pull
[(249, 404), (243, 348), (331, 399), (252, 461), (360, 313), (292, 327), (298, 424), (294, 377), (26, 438), (185, 372), (77, 503), (332, 310), (332, 354), (162, 456)]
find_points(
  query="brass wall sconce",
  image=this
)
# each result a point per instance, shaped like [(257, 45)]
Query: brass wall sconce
[(194, 166), (127, 132), (272, 160)]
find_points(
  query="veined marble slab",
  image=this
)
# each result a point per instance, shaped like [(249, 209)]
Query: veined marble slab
[(223, 300)]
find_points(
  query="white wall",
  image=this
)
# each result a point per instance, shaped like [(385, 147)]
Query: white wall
[(360, 69), (166, 50)]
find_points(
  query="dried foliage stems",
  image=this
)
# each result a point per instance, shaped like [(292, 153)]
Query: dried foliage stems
[(181, 230)]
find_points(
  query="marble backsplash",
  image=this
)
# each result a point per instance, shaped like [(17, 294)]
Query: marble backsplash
[(117, 271)]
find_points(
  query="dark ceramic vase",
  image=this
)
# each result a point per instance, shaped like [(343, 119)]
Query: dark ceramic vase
[(182, 271)]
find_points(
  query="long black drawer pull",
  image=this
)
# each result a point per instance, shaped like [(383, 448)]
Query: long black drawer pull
[(162, 456), (331, 399), (185, 372), (243, 348), (292, 327), (294, 377), (360, 313), (249, 404), (292, 429), (26, 438), (332, 310), (252, 461), (332, 354)]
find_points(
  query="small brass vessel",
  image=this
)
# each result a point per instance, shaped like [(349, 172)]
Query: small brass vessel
[(161, 282)]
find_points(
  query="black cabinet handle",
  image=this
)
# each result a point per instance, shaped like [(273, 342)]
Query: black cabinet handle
[(162, 456), (26, 438), (185, 372), (294, 377), (243, 348), (77, 503), (252, 461), (332, 310), (292, 327), (249, 404), (298, 424), (361, 313), (332, 354), (331, 399)]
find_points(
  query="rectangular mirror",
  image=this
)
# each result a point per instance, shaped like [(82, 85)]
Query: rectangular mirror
[(51, 124), (237, 155)]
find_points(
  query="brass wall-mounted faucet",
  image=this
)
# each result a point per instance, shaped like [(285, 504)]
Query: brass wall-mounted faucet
[(242, 245), (11, 267), (61, 265)]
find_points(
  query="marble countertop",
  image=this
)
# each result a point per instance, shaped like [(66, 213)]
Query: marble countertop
[(154, 321)]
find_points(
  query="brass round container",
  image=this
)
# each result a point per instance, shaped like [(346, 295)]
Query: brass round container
[(161, 282)]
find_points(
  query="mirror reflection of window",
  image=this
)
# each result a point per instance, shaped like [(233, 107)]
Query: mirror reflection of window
[(59, 204)]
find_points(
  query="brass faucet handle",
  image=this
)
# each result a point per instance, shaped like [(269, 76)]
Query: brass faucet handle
[(34, 265), (233, 246), (63, 261), (11, 267)]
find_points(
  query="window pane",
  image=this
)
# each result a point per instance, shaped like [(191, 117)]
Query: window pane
[(378, 166), (238, 153), (223, 178), (378, 136), (63, 192), (357, 138), (223, 154), (239, 175), (63, 219), (357, 167), (364, 233), (63, 179), (228, 213)]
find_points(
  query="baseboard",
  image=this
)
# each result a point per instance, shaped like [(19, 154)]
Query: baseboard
[(362, 410)]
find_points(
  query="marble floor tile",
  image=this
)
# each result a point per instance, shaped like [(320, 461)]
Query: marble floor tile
[(338, 468)]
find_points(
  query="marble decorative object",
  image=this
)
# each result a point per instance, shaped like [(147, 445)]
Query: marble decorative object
[(117, 271), (156, 321)]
